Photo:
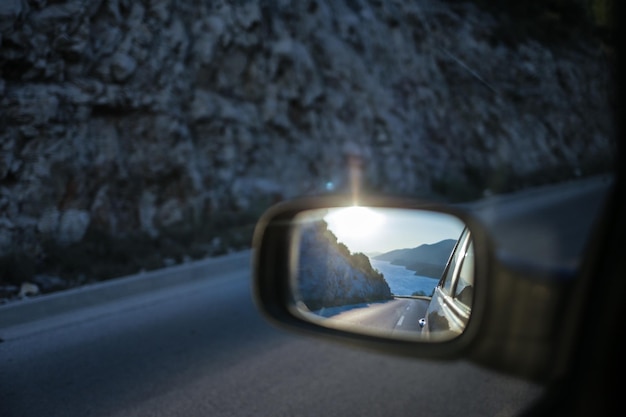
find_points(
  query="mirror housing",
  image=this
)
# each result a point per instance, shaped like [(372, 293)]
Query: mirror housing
[(276, 236), (513, 328)]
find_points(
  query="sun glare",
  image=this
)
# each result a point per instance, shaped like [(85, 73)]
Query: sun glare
[(354, 222)]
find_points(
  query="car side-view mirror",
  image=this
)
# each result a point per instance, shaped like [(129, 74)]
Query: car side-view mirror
[(383, 270), (408, 278), (379, 271)]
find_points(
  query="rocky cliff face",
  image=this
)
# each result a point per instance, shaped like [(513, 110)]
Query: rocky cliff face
[(137, 116), (328, 275)]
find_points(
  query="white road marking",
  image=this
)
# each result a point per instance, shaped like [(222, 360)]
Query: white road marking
[(399, 323)]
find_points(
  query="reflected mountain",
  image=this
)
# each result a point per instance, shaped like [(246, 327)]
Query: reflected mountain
[(426, 260), (329, 275)]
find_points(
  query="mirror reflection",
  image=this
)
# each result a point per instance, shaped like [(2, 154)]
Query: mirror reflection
[(395, 273)]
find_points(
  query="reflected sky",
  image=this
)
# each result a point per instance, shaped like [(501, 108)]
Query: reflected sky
[(374, 230)]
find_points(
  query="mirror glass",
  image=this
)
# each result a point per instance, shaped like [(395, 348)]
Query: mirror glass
[(388, 272)]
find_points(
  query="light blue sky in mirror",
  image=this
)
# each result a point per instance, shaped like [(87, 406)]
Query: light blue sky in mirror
[(380, 230)]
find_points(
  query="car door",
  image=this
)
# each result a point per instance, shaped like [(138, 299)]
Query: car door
[(450, 306)]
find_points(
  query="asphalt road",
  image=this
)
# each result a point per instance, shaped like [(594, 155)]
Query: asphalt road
[(205, 351), (202, 349)]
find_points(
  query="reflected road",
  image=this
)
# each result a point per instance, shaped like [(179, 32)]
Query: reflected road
[(397, 315)]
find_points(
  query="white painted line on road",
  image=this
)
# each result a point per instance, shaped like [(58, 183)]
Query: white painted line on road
[(399, 323)]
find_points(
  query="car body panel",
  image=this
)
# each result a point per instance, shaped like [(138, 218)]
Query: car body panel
[(450, 307)]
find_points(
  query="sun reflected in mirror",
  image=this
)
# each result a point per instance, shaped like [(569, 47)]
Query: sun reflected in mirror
[(354, 222)]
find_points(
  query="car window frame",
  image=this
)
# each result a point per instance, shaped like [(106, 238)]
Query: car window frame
[(455, 293), (452, 263), (457, 259)]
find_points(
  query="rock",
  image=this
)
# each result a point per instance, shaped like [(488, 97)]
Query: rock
[(48, 223), (248, 15), (49, 283), (10, 11), (73, 226), (32, 105), (204, 48), (8, 292), (7, 230), (170, 213), (52, 15), (203, 107), (28, 289), (161, 9), (147, 212), (122, 67)]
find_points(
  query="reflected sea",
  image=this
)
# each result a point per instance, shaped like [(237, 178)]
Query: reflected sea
[(403, 281)]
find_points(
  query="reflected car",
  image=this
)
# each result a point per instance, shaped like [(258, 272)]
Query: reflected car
[(451, 303)]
